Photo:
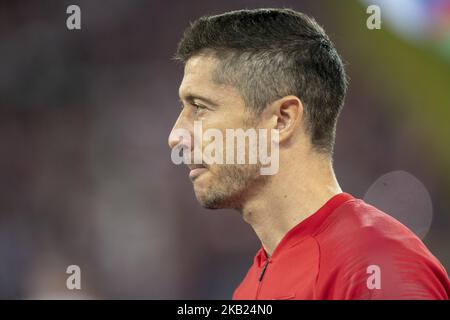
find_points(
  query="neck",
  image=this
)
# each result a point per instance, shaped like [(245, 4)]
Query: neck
[(289, 197)]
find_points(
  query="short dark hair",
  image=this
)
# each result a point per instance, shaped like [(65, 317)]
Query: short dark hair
[(270, 53)]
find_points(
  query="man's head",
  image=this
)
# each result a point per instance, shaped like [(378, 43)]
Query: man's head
[(264, 68)]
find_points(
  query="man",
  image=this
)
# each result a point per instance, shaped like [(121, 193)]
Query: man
[(276, 69)]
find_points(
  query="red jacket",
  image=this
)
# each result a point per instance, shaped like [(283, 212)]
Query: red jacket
[(346, 250)]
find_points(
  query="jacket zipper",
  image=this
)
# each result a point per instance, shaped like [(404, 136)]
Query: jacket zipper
[(263, 271)]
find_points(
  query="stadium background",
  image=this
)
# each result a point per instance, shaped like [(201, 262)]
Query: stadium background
[(85, 170)]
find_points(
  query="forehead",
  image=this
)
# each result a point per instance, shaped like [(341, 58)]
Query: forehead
[(199, 79)]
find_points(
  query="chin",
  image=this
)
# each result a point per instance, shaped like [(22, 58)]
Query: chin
[(222, 189), (217, 199), (210, 202), (211, 205)]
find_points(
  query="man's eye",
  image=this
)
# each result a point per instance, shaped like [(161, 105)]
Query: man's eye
[(198, 107)]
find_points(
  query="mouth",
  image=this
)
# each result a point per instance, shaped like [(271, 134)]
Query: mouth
[(196, 170)]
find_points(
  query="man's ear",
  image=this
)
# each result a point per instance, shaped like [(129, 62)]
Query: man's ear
[(286, 116)]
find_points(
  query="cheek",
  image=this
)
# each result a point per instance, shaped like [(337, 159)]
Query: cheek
[(227, 117), (215, 144)]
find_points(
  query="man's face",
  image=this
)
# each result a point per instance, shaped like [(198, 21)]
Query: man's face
[(219, 107)]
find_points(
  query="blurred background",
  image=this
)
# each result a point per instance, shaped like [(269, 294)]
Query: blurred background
[(85, 170)]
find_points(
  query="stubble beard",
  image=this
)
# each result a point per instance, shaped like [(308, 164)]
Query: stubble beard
[(231, 185)]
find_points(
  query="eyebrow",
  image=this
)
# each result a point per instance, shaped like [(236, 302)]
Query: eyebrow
[(191, 97)]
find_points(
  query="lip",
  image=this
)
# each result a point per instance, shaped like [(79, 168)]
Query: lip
[(196, 171)]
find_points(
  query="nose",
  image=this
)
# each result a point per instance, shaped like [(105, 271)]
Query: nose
[(179, 133), (174, 138)]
